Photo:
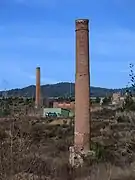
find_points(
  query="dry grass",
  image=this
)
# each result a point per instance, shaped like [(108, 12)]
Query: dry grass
[(32, 148)]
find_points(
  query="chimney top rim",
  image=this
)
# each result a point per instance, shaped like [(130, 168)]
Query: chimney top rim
[(81, 20)]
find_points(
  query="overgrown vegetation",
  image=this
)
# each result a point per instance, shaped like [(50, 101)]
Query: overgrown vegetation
[(34, 148), (129, 103)]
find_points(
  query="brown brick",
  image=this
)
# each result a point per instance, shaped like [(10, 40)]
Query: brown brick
[(82, 86), (37, 102)]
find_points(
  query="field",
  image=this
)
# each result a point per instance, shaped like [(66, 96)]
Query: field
[(38, 149)]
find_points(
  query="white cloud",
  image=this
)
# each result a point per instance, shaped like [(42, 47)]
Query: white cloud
[(43, 80), (40, 35), (16, 73), (114, 43), (52, 44), (31, 77)]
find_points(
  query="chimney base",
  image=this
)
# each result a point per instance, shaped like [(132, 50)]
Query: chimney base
[(77, 158)]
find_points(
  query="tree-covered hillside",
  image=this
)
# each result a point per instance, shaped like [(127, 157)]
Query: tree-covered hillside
[(57, 90)]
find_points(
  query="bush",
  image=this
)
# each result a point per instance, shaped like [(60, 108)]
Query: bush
[(129, 104), (3, 135), (97, 100), (106, 100)]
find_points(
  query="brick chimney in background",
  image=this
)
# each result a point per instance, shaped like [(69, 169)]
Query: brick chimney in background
[(37, 102), (82, 87)]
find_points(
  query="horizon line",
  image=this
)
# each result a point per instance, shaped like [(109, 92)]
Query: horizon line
[(63, 83)]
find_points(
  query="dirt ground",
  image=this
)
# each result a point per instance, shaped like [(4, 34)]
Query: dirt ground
[(32, 148)]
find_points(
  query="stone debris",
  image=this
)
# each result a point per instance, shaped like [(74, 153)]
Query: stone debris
[(77, 158)]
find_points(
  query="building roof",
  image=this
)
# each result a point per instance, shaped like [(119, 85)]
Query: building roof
[(57, 109)]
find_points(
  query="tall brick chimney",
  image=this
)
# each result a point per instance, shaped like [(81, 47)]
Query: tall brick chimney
[(82, 87), (37, 102)]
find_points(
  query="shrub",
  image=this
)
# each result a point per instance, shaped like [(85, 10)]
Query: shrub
[(3, 135)]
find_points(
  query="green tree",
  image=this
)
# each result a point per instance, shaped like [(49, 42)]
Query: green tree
[(129, 103), (106, 100), (97, 100)]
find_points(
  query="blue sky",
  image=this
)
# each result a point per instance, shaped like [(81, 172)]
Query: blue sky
[(42, 33)]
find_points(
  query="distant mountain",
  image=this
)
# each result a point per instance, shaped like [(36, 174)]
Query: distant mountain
[(57, 90)]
